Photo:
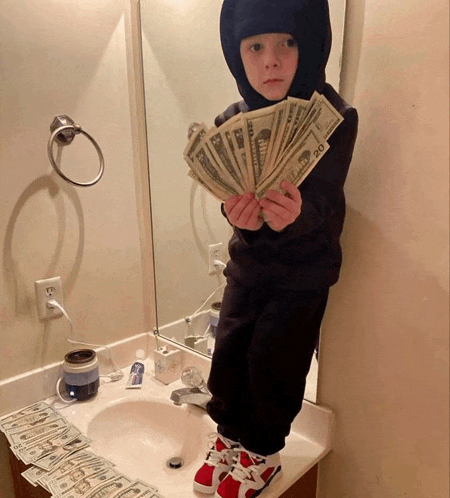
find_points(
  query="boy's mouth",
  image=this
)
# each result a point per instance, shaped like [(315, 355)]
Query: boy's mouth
[(273, 80)]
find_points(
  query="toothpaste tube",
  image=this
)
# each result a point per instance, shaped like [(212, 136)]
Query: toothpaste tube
[(136, 376)]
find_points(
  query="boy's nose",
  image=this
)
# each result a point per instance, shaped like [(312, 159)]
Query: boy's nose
[(272, 59), (273, 63)]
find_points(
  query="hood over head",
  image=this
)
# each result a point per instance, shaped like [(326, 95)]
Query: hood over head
[(308, 21)]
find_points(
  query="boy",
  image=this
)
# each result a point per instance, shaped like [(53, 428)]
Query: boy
[(284, 252)]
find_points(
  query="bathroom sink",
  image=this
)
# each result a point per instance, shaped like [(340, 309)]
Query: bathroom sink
[(141, 436), (140, 430)]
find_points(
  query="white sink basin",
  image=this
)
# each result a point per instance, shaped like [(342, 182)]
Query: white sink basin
[(141, 436), (139, 430)]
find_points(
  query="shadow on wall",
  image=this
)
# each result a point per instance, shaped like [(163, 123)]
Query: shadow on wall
[(17, 283), (385, 336)]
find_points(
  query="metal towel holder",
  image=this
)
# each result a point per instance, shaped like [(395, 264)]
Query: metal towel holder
[(63, 131)]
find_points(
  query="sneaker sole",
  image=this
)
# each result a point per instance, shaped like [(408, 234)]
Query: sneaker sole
[(273, 478), (207, 490)]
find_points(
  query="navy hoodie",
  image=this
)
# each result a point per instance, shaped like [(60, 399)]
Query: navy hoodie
[(306, 255)]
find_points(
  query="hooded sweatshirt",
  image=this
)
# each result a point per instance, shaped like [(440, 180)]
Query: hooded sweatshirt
[(306, 255)]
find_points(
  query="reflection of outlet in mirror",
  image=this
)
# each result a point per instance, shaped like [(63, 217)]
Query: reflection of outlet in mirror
[(46, 290), (213, 254)]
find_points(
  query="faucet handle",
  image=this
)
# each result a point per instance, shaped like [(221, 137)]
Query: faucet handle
[(192, 377)]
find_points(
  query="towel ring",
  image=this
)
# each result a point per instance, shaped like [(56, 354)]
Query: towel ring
[(64, 130)]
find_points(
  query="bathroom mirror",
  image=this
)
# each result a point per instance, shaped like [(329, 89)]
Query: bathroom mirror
[(186, 80)]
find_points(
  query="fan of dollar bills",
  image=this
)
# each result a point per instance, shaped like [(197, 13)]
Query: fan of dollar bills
[(256, 150), (61, 462)]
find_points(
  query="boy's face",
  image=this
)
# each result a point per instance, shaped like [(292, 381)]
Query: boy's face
[(270, 63)]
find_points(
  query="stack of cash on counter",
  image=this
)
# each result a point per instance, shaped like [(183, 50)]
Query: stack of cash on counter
[(40, 436), (256, 150)]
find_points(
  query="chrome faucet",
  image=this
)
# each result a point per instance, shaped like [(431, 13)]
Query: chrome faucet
[(196, 392), (190, 396)]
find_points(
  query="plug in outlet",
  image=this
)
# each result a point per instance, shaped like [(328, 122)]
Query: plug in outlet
[(213, 254), (47, 290)]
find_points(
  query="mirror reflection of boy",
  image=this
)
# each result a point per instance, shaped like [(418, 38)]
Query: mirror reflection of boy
[(284, 252)]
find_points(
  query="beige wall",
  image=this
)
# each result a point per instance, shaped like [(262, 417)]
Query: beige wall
[(69, 59), (384, 365), (75, 59)]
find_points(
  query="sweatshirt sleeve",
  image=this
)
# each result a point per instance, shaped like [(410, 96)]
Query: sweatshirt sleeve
[(321, 190)]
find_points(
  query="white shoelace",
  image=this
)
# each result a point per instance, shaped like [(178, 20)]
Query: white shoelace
[(214, 456), (240, 472)]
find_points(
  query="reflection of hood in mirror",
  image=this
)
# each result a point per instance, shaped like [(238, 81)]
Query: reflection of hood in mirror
[(307, 21)]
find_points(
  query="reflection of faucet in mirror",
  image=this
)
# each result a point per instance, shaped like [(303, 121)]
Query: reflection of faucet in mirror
[(201, 325), (196, 392)]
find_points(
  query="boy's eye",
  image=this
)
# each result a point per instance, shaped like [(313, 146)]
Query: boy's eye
[(256, 47), (291, 43)]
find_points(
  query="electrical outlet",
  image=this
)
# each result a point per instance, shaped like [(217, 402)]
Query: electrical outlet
[(213, 254), (46, 290)]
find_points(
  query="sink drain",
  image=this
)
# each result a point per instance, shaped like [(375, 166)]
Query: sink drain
[(175, 463)]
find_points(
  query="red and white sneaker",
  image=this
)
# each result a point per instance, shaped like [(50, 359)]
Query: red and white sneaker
[(217, 464), (249, 475)]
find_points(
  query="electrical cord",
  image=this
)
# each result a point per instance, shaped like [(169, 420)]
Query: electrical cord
[(58, 393), (206, 331), (113, 376), (188, 319)]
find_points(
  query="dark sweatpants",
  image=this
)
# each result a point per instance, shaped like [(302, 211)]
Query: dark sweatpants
[(264, 345)]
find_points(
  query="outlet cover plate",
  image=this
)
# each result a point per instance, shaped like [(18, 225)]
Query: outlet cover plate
[(49, 288), (214, 251)]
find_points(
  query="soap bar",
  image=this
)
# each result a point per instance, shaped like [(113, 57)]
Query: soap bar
[(136, 376)]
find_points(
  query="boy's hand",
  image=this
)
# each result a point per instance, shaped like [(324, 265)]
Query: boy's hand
[(243, 210), (280, 210)]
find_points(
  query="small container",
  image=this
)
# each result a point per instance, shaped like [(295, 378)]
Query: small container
[(214, 313), (167, 364), (81, 377)]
